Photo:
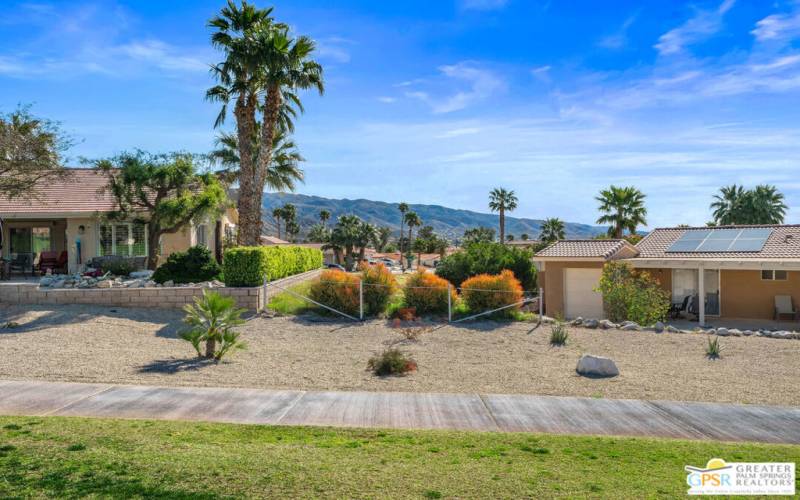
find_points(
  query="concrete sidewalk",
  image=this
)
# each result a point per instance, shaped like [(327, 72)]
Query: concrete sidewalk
[(491, 412)]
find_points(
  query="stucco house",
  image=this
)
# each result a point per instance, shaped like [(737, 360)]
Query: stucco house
[(68, 216), (737, 270)]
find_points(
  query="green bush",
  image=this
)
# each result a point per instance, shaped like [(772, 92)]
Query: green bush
[(488, 258), (558, 334), (391, 362), (248, 266), (629, 295), (192, 266), (379, 286), (118, 267)]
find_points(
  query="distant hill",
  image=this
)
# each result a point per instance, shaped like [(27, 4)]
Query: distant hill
[(449, 222)]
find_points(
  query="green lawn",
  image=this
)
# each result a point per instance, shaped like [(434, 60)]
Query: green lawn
[(71, 457), (285, 303)]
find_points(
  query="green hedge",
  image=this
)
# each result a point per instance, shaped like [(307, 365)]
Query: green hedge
[(247, 266)]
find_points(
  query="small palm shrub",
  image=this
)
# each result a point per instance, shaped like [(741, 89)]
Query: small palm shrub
[(487, 292), (192, 266), (713, 348), (427, 293), (391, 362), (212, 319), (337, 289), (559, 334), (379, 286)]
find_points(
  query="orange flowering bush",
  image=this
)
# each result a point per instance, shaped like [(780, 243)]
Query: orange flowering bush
[(379, 285), (427, 293), (338, 290), (486, 292)]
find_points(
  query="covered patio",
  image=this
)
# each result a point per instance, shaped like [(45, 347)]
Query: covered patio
[(30, 246)]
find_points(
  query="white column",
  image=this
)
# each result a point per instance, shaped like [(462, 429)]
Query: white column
[(701, 291)]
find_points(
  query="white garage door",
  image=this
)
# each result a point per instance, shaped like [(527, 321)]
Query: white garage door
[(580, 299)]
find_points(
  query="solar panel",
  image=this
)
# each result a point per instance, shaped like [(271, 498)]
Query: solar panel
[(721, 240)]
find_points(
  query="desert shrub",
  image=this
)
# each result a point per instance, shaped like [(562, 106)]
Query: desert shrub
[(488, 258), (211, 319), (118, 267), (713, 348), (485, 292), (192, 266), (631, 295), (391, 362), (248, 266), (337, 289), (558, 334), (427, 293), (379, 286)]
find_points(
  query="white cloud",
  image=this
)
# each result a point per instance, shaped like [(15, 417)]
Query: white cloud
[(481, 83), (704, 24), (618, 39), (334, 49), (778, 27), (458, 132), (161, 55), (387, 100), (541, 73), (483, 4)]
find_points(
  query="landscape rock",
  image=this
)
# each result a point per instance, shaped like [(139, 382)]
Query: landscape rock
[(631, 327), (607, 325), (141, 274), (596, 366), (577, 321), (672, 329), (590, 323), (734, 332), (169, 283), (658, 327), (105, 284), (722, 332), (748, 333)]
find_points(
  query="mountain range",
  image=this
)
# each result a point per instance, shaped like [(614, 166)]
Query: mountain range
[(448, 222)]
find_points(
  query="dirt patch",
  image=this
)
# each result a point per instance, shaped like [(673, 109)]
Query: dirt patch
[(140, 346)]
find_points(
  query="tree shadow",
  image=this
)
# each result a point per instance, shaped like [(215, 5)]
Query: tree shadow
[(173, 366)]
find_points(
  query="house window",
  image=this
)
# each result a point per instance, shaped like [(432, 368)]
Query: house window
[(200, 237), (29, 239), (124, 239), (773, 275)]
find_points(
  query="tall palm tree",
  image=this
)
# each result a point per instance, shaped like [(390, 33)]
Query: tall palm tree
[(284, 170), (412, 220), (767, 205), (277, 213), (238, 78), (623, 208), (552, 230), (381, 239), (502, 200), (349, 233), (729, 204), (403, 208), (324, 216)]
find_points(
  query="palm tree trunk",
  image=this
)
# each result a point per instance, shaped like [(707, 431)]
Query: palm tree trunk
[(400, 245), (618, 229), (410, 232), (249, 219), (272, 105), (502, 226), (278, 224), (211, 346)]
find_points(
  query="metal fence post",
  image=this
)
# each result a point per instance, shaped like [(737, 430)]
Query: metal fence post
[(264, 291), (541, 303), (361, 299), (449, 304)]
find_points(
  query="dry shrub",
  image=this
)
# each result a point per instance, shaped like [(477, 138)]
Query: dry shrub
[(379, 286), (486, 292), (338, 290), (391, 362), (427, 293)]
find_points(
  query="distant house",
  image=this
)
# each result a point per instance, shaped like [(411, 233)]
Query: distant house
[(523, 243), (737, 271), (273, 240), (69, 216)]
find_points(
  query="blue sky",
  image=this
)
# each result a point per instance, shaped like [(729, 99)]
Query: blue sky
[(438, 102)]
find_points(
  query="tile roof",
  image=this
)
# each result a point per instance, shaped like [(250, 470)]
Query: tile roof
[(583, 248), (272, 240), (784, 242), (78, 192)]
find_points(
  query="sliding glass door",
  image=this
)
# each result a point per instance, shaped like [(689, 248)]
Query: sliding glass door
[(685, 283)]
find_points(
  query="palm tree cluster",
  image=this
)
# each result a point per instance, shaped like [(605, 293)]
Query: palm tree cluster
[(502, 200), (735, 205), (623, 209), (349, 240), (264, 67), (288, 214), (552, 230)]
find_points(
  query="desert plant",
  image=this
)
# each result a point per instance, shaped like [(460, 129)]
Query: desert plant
[(487, 292), (713, 348), (212, 319), (631, 295), (337, 289), (427, 293), (488, 258), (379, 286), (559, 334), (391, 362), (192, 266)]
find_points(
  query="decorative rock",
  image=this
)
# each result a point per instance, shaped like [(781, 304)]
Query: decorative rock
[(631, 327), (734, 332), (672, 329), (105, 284), (748, 333), (141, 274), (607, 325), (596, 366), (169, 283), (590, 323), (712, 331), (577, 321), (658, 327), (722, 332)]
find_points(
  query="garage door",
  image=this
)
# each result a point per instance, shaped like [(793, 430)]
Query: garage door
[(580, 299)]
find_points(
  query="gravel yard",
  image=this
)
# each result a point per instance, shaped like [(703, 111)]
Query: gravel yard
[(140, 346)]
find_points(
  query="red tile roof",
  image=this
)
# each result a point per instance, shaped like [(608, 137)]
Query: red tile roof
[(604, 249), (783, 243), (79, 192)]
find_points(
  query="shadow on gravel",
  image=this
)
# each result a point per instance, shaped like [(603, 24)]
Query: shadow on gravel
[(173, 366)]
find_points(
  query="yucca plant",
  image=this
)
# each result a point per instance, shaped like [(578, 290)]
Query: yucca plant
[(559, 334), (211, 320), (713, 349)]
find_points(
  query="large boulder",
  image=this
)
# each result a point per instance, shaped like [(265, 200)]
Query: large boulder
[(596, 366)]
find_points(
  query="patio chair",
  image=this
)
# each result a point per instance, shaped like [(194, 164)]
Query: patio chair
[(784, 306), (21, 262), (47, 260)]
